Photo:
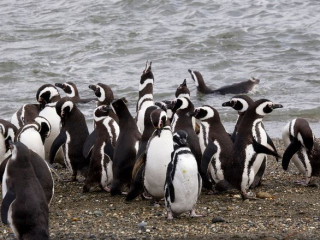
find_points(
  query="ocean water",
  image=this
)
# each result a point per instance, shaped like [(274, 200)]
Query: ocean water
[(87, 42)]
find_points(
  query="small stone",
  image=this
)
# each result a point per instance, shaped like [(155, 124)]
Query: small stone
[(97, 213), (148, 230), (217, 220), (75, 219), (142, 225), (237, 196), (264, 195), (92, 236)]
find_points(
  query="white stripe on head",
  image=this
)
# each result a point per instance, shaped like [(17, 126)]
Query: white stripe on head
[(53, 92), (210, 112), (67, 104), (195, 79), (244, 103), (145, 83), (260, 109), (72, 94), (103, 94)]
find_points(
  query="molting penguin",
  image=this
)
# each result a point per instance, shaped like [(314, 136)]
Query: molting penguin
[(33, 135), (301, 148), (215, 143), (183, 182), (235, 88), (250, 146), (150, 169), (26, 114), (72, 92), (24, 205), (126, 147), (99, 147), (72, 137), (7, 134)]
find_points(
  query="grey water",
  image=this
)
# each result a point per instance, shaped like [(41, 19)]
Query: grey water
[(92, 41)]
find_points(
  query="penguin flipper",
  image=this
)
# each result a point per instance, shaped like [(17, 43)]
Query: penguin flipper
[(88, 144), (207, 157), (109, 150), (270, 142), (8, 199), (86, 100), (57, 143), (169, 181), (136, 186), (293, 147), (3, 167), (259, 148)]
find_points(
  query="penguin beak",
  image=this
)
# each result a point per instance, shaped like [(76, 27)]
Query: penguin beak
[(60, 85), (228, 104), (184, 84), (192, 114), (8, 141), (93, 87), (183, 141), (277, 106), (158, 132), (9, 144)]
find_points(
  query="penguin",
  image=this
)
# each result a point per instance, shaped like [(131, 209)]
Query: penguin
[(7, 134), (72, 137), (250, 147), (235, 88), (24, 205), (126, 147), (241, 103), (183, 182), (182, 90), (101, 149), (302, 148), (183, 121), (216, 144), (105, 96), (48, 96), (145, 99), (150, 169), (72, 92), (26, 114), (33, 135)]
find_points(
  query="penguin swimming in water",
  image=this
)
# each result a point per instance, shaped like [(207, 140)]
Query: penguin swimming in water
[(72, 92), (7, 134), (302, 148), (150, 169), (183, 182), (24, 205), (235, 88), (126, 147), (215, 142), (73, 134), (101, 149), (250, 147)]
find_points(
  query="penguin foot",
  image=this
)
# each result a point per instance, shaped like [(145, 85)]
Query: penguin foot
[(303, 182), (107, 189), (170, 215), (124, 193), (147, 196), (248, 195), (193, 213)]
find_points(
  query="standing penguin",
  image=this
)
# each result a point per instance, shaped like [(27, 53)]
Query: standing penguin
[(150, 169), (302, 148), (215, 142), (24, 206), (72, 92), (7, 134), (182, 120), (101, 149), (235, 88), (72, 137), (183, 182), (33, 135), (126, 147), (26, 114), (250, 146), (183, 90)]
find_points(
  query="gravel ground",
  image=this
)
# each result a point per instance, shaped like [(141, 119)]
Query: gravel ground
[(289, 211)]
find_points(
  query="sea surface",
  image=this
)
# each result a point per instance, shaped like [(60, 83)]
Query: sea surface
[(92, 41)]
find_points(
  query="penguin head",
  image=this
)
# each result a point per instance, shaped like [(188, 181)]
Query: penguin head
[(146, 74), (181, 103), (44, 127), (64, 107), (69, 88), (196, 77), (103, 92), (265, 106), (254, 80), (8, 132), (158, 119), (118, 105), (101, 112), (180, 139), (19, 153), (239, 103), (183, 90), (46, 94), (203, 113)]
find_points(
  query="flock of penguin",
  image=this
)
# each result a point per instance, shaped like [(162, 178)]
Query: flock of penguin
[(169, 149)]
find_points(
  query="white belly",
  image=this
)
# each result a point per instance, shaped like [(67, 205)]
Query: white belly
[(2, 148), (186, 185), (32, 139), (158, 158)]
